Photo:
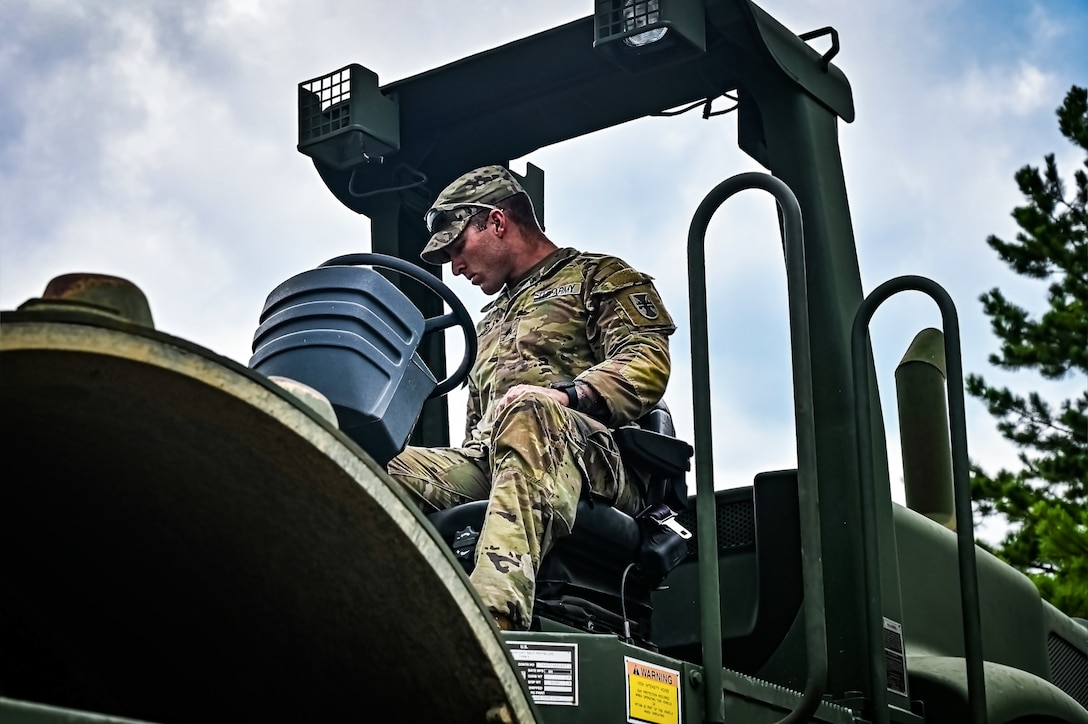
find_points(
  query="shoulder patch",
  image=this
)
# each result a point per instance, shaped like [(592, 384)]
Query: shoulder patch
[(642, 307), (644, 304)]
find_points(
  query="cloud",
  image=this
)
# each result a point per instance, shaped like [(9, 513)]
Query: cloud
[(997, 91)]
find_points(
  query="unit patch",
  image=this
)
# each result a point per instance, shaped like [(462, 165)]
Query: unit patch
[(644, 304)]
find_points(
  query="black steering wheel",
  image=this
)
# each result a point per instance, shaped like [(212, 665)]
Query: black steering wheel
[(459, 316)]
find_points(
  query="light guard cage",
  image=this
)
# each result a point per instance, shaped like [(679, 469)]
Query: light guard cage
[(640, 33), (344, 120)]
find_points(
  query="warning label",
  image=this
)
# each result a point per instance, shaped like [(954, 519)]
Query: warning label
[(893, 655), (653, 693), (550, 670)]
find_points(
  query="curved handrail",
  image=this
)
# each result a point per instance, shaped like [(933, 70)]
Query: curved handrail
[(972, 629), (808, 497)]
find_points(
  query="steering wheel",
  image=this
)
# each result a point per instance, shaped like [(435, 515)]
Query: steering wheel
[(458, 317)]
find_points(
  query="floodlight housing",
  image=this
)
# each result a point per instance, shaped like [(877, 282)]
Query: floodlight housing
[(640, 34), (344, 120)]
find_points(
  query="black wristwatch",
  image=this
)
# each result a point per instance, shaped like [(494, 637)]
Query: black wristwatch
[(572, 392)]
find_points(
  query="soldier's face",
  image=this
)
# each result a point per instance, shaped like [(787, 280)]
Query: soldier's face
[(482, 257)]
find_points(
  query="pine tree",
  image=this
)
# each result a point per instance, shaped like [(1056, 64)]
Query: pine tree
[(1045, 501)]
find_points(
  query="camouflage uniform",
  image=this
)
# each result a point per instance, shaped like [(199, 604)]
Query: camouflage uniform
[(576, 316)]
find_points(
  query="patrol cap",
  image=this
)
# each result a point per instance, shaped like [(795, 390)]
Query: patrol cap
[(465, 197)]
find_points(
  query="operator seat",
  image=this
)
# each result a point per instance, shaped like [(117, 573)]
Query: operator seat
[(600, 577)]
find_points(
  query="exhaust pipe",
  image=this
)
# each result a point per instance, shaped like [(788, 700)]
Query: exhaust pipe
[(923, 428)]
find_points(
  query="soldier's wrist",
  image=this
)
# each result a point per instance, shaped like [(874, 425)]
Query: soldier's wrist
[(582, 397), (590, 401), (570, 389)]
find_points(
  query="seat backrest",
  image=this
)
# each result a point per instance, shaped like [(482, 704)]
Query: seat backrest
[(658, 419)]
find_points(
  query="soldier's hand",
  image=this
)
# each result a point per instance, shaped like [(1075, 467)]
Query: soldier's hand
[(518, 390)]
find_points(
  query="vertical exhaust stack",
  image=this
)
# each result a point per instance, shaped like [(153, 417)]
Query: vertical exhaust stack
[(923, 428)]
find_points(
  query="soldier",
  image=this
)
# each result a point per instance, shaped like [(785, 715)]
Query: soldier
[(574, 344)]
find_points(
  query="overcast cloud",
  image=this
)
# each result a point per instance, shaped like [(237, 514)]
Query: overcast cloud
[(156, 141)]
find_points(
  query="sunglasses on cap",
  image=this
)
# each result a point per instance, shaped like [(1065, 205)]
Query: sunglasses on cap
[(438, 219)]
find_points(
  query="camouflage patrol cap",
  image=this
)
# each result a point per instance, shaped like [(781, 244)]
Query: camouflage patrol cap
[(466, 196)]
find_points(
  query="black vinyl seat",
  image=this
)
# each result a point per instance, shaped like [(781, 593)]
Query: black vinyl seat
[(600, 577)]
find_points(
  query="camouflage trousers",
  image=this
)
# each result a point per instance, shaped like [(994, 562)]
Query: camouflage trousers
[(541, 455)]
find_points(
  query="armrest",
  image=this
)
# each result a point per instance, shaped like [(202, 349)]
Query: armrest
[(653, 451)]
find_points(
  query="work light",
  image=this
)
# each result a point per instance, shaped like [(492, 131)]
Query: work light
[(638, 34), (344, 120)]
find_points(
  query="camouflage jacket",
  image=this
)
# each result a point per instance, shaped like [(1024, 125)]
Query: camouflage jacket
[(580, 316)]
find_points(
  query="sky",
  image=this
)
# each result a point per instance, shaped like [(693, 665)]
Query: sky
[(156, 141)]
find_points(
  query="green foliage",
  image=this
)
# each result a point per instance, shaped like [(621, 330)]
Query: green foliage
[(1045, 501)]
